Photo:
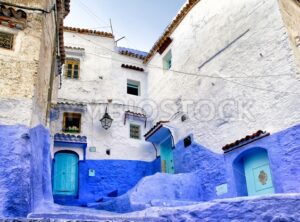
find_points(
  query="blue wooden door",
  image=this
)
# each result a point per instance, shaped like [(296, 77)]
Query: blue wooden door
[(258, 174), (166, 155), (65, 178)]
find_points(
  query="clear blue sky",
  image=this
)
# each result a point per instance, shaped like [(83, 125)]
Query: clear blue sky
[(141, 21)]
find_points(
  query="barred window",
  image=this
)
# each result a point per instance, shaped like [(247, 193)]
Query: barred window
[(6, 40), (135, 131), (72, 68)]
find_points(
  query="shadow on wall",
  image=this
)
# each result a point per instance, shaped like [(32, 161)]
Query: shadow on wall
[(24, 169)]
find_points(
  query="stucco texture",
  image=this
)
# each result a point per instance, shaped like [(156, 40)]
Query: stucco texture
[(223, 57), (111, 176), (200, 173), (24, 169), (26, 69)]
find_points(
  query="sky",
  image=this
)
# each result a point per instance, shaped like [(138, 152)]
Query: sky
[(141, 21)]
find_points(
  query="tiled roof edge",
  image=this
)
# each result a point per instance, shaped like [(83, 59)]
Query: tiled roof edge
[(157, 126), (244, 141), (75, 48), (171, 28), (131, 54), (126, 66), (88, 32)]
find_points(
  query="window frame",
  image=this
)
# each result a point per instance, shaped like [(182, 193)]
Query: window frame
[(65, 116), (140, 130), (134, 83), (73, 62), (168, 60), (11, 40)]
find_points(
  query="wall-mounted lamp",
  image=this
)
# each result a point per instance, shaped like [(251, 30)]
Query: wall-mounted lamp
[(106, 120)]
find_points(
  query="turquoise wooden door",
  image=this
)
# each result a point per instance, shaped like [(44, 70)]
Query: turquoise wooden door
[(258, 174), (166, 155), (65, 181)]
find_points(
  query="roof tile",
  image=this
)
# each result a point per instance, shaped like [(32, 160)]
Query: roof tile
[(246, 140)]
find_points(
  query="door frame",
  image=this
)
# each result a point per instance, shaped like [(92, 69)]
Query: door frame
[(164, 163), (53, 172), (238, 171)]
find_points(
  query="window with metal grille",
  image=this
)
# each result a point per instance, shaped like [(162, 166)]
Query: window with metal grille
[(6, 40), (72, 122), (72, 68), (133, 87), (135, 131)]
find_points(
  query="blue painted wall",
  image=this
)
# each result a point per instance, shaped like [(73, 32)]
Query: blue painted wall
[(200, 171), (283, 150), (24, 170), (214, 169), (208, 166), (110, 176)]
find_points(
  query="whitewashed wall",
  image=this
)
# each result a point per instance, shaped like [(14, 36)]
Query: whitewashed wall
[(210, 29), (102, 78)]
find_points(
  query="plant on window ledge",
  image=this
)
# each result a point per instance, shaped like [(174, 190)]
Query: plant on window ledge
[(71, 129)]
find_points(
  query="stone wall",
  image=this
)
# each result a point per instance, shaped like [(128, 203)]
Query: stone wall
[(47, 68), (26, 70), (244, 40)]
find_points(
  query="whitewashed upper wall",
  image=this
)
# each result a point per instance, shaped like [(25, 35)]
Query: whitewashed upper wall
[(232, 38), (102, 78)]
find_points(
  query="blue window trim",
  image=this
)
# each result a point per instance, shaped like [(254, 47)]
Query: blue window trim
[(72, 145)]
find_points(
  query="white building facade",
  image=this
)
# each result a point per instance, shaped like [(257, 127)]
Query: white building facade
[(219, 71)]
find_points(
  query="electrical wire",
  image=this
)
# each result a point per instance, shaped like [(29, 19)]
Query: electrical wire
[(224, 78), (173, 70), (99, 20), (227, 78), (91, 13)]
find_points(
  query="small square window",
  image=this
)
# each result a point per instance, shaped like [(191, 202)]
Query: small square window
[(135, 131), (167, 61), (71, 122), (6, 40), (72, 68), (133, 87)]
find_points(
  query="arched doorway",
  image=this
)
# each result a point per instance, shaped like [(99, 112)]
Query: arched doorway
[(65, 178), (258, 174), (166, 155), (253, 174)]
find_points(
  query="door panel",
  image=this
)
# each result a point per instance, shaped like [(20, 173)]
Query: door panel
[(166, 155), (258, 174), (65, 181)]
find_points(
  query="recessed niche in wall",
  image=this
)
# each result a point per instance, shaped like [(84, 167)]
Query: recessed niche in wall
[(297, 41), (108, 152), (187, 141)]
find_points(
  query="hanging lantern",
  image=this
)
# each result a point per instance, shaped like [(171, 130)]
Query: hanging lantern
[(106, 120)]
